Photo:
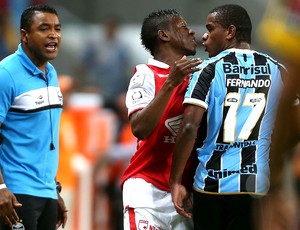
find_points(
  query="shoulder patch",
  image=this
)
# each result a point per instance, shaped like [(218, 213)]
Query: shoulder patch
[(138, 79)]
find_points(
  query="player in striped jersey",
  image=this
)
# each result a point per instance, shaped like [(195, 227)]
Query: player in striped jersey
[(236, 93), (154, 101)]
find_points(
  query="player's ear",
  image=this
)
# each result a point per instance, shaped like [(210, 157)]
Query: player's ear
[(24, 34), (163, 35), (231, 32)]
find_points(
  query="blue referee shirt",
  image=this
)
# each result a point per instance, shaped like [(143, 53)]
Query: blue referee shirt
[(30, 109)]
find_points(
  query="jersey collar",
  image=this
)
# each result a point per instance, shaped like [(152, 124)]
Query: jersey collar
[(157, 63)]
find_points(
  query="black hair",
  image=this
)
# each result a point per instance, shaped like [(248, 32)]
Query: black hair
[(231, 14), (28, 14), (154, 22)]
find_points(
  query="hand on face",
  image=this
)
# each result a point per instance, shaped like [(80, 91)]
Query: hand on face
[(183, 68)]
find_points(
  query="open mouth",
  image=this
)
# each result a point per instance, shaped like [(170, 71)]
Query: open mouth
[(51, 46)]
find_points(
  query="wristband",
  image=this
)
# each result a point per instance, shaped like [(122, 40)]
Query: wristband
[(2, 186), (58, 187)]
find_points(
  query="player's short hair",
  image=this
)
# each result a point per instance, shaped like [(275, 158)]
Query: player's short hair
[(28, 14), (232, 14), (154, 22)]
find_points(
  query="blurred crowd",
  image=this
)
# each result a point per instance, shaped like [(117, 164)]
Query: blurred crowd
[(96, 142), (10, 11)]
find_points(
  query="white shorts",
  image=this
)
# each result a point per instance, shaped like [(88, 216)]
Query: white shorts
[(149, 208)]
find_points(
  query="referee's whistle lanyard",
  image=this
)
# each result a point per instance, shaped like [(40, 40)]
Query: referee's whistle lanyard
[(52, 146)]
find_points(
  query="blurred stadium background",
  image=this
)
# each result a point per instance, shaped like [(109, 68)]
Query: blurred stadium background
[(97, 162), (81, 17)]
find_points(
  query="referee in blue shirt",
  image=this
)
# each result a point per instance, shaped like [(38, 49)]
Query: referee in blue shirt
[(30, 109)]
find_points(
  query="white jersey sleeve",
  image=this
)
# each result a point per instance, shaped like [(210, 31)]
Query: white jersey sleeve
[(141, 90)]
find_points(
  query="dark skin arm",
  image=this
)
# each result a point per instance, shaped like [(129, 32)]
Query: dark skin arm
[(144, 121), (287, 123), (61, 213), (8, 204), (183, 147)]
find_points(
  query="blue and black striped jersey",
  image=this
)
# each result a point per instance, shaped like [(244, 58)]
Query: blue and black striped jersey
[(240, 90)]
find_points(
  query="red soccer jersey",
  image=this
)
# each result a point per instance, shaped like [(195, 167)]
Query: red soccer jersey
[(153, 157)]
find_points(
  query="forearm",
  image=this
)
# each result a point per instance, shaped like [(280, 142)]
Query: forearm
[(185, 141), (143, 122), (183, 148)]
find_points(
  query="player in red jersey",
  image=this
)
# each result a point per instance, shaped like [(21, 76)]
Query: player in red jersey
[(154, 101)]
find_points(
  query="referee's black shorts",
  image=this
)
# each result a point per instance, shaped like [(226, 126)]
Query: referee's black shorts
[(36, 213)]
